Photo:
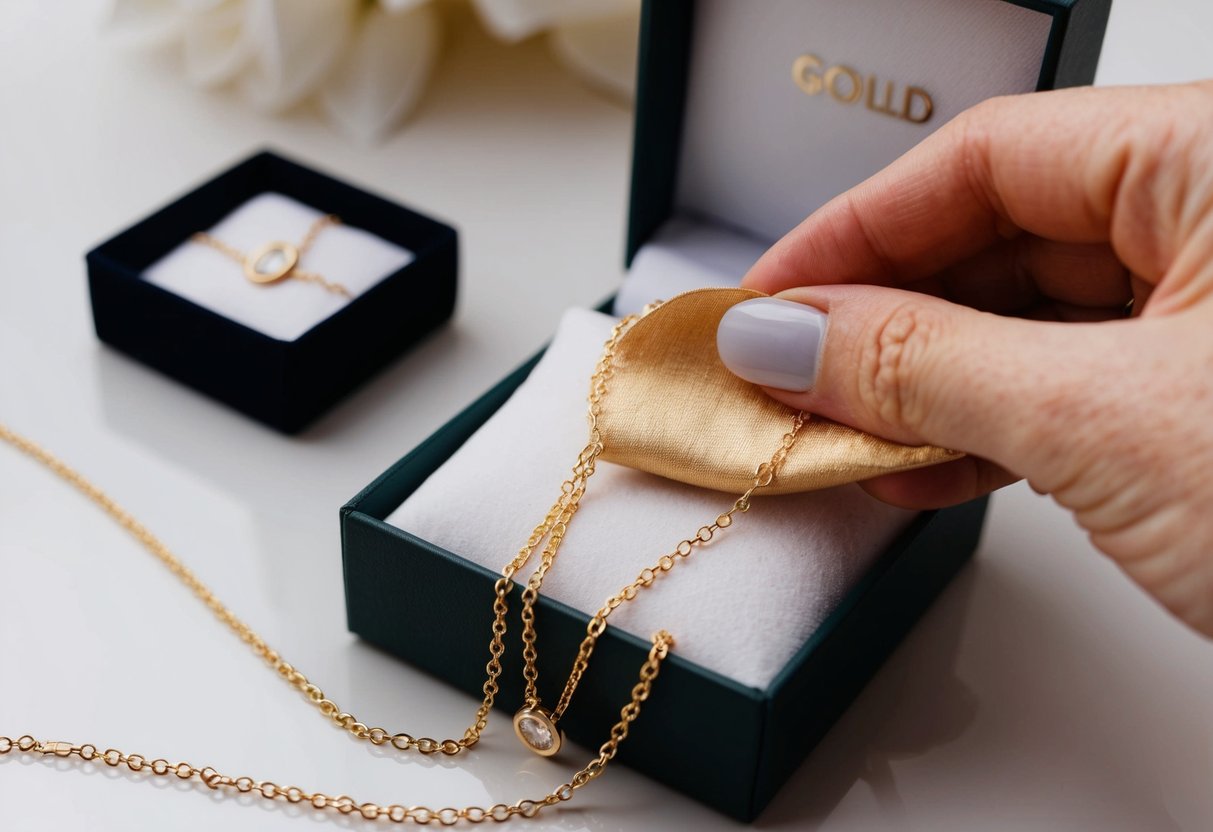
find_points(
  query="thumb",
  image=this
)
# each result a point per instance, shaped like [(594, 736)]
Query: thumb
[(917, 369)]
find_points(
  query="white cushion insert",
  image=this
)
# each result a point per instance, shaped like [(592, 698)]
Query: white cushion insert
[(741, 606), (288, 308)]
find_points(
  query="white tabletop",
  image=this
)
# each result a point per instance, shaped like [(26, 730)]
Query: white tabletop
[(1042, 690)]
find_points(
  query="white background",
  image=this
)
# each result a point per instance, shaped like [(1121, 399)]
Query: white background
[(1041, 691)]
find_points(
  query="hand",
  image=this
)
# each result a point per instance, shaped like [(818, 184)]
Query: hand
[(974, 296)]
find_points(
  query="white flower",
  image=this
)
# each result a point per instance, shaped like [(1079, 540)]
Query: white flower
[(596, 39), (366, 63)]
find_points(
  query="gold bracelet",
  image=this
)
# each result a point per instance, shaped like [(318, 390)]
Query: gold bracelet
[(277, 260)]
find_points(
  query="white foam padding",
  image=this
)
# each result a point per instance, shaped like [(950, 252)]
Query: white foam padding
[(288, 308), (685, 254), (761, 155), (741, 606)]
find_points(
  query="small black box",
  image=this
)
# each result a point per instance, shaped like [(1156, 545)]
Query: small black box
[(285, 384)]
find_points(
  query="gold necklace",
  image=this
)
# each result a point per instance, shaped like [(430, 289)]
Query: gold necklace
[(535, 725), (277, 260), (552, 528)]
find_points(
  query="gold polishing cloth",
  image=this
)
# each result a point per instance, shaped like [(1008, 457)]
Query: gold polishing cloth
[(674, 410)]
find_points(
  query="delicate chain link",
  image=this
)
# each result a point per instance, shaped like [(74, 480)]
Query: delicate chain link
[(314, 230), (312, 277), (555, 525), (662, 642), (553, 528), (309, 238), (346, 805), (292, 676), (763, 476), (203, 238)]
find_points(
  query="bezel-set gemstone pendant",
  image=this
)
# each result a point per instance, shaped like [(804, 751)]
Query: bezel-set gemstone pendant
[(537, 730), (271, 262)]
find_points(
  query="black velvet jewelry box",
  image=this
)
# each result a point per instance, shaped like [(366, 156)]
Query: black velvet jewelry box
[(727, 745), (285, 384)]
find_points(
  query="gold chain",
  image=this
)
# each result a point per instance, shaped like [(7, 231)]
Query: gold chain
[(661, 644), (294, 273), (555, 525), (553, 528), (763, 476), (345, 804), (292, 676)]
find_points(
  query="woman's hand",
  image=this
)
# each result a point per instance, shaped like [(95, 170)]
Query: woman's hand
[(974, 296)]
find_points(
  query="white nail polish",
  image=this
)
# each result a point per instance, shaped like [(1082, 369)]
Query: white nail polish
[(773, 342)]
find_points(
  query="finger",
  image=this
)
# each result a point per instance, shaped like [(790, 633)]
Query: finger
[(1141, 294), (1066, 313), (1075, 274), (1018, 274), (938, 486), (993, 171), (920, 370), (1009, 277)]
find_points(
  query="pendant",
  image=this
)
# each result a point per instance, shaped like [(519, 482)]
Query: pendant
[(537, 730), (271, 262)]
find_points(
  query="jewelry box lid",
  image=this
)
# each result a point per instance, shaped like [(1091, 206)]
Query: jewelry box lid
[(754, 116)]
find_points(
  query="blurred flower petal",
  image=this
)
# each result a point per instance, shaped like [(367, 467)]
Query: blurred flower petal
[(144, 23), (398, 6), (602, 51), (216, 45), (383, 73), (294, 43), (513, 20)]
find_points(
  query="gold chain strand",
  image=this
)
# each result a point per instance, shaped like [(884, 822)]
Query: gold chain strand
[(314, 230), (203, 238), (553, 528), (378, 736), (346, 805), (294, 273), (293, 677), (662, 642), (555, 525), (327, 285), (763, 476)]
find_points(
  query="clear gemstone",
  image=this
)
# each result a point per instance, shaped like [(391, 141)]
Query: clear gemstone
[(272, 262), (537, 735)]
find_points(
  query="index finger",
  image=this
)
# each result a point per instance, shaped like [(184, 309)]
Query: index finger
[(1058, 165)]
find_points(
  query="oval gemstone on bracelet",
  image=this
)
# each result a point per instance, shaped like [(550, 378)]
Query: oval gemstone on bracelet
[(271, 262)]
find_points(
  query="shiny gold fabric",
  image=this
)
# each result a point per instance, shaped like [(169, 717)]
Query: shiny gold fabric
[(674, 410)]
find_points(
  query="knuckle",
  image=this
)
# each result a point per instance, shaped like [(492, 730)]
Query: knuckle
[(891, 362), (983, 112), (973, 128)]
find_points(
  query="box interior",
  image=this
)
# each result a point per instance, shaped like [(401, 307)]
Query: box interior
[(760, 154), (381, 562), (763, 140), (409, 237), (287, 308), (286, 384), (741, 607)]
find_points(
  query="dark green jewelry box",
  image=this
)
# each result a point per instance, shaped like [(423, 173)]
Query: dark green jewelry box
[(726, 745)]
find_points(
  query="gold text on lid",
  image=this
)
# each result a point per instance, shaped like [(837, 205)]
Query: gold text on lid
[(849, 86)]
